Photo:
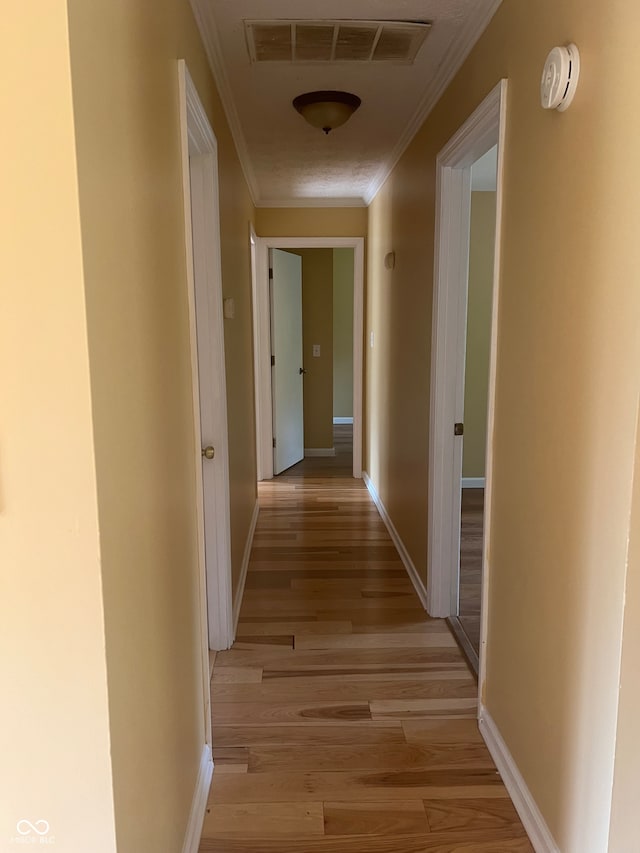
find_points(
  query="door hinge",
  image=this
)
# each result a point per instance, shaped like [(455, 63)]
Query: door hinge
[(273, 360), (274, 442), (271, 273), (458, 429)]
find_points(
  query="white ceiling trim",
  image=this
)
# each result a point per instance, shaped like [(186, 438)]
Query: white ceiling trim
[(475, 26), (209, 37), (314, 202)]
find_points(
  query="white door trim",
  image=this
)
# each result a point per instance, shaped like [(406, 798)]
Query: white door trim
[(202, 232), (258, 331), (262, 341), (484, 129)]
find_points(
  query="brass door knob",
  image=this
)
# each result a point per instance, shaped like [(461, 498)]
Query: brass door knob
[(208, 452)]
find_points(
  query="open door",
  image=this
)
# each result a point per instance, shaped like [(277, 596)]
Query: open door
[(286, 358)]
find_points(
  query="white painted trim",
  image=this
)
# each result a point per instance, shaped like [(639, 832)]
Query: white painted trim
[(202, 12), (263, 342), (343, 420), (473, 482), (491, 392), (483, 130), (414, 577), (257, 344), (319, 451), (237, 602), (199, 802), (475, 24), (322, 201), (526, 806), (201, 216)]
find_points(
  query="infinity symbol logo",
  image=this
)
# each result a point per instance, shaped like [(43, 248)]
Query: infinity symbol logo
[(40, 827)]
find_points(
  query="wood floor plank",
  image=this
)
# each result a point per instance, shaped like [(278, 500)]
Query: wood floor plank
[(357, 756), (495, 841), (344, 719), (408, 708), (263, 820), (393, 818), (365, 734), (439, 640), (433, 731), (350, 786), (237, 675), (287, 712), (470, 814), (347, 690), (256, 629)]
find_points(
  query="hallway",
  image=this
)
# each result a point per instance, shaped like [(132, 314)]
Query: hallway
[(344, 718)]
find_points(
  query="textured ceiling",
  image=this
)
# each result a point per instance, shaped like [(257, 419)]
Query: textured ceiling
[(286, 161)]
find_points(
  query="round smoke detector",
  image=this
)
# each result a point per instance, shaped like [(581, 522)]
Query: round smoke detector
[(560, 78)]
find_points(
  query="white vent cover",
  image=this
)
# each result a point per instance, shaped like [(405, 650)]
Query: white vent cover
[(335, 41)]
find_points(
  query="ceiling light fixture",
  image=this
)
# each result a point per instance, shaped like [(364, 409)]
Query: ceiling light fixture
[(326, 110)]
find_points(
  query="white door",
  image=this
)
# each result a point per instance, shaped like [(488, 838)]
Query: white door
[(286, 359), (212, 405)]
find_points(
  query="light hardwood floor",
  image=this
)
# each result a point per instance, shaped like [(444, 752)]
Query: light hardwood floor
[(471, 532), (343, 717)]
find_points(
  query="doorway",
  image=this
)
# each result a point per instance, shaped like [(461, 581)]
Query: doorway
[(449, 503), (322, 261), (466, 623)]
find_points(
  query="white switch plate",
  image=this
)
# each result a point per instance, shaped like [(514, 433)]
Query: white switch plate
[(316, 350)]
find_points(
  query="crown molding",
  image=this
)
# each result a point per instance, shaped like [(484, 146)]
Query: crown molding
[(211, 42), (455, 57), (313, 202)]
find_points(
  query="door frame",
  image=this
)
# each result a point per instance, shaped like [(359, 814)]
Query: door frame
[(262, 340), (482, 130), (202, 232)]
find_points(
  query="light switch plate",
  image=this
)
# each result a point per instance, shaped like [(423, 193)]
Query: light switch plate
[(229, 308), (316, 350)]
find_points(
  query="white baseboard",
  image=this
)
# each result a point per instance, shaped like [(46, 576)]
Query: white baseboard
[(530, 815), (319, 451), (199, 802), (237, 602), (343, 420), (414, 577), (473, 482)]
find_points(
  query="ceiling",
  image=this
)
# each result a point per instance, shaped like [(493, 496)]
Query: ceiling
[(286, 161)]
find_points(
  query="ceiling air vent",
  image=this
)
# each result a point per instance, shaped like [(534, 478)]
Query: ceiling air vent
[(335, 41)]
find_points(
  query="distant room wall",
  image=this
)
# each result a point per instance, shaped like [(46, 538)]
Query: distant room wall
[(481, 249), (343, 333), (317, 328)]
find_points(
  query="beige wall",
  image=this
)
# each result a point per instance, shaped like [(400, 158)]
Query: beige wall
[(343, 333), (567, 385), (476, 377), (126, 102), (317, 328), (54, 735), (311, 222)]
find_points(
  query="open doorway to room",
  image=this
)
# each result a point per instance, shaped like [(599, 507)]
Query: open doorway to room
[(466, 623), (311, 300), (308, 295), (464, 358)]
